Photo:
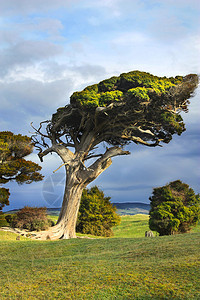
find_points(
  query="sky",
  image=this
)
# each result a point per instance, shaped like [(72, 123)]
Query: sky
[(50, 49)]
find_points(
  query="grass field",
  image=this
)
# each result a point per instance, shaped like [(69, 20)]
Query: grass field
[(109, 268)]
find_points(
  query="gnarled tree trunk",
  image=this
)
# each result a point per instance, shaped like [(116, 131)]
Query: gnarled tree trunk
[(77, 178), (66, 224), (69, 212)]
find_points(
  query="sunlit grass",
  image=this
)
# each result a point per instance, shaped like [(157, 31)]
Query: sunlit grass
[(10, 236), (127, 266), (118, 268), (132, 226)]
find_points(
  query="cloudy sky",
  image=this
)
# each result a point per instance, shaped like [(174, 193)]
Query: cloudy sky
[(49, 49)]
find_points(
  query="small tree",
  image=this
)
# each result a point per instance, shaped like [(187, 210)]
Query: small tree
[(174, 208), (133, 107), (96, 215), (13, 166)]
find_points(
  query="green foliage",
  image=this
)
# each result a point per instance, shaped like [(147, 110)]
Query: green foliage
[(12, 145), (97, 215), (109, 97), (140, 85), (13, 166), (108, 84), (3, 222), (4, 196), (174, 209), (87, 98), (30, 218), (139, 93), (142, 79)]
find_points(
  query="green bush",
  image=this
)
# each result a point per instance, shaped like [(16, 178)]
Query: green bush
[(3, 221), (174, 209), (30, 218), (97, 215), (4, 196)]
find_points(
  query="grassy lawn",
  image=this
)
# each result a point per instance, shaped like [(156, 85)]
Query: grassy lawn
[(159, 268), (135, 227), (108, 268), (132, 226)]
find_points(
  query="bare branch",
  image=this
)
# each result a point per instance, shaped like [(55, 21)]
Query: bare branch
[(38, 131), (110, 152), (65, 144), (101, 164), (141, 141), (60, 167), (45, 152)]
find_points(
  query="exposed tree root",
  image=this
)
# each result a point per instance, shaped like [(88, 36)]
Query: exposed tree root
[(42, 235), (53, 233)]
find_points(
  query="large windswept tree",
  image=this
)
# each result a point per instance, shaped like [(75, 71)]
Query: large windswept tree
[(134, 107)]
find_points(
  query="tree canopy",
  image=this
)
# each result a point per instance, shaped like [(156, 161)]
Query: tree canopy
[(174, 208), (135, 106), (96, 215), (13, 166)]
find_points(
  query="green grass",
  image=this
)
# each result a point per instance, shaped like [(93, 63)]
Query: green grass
[(10, 236), (133, 267), (132, 226), (142, 268)]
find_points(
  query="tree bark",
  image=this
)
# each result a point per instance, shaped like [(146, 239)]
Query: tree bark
[(70, 207)]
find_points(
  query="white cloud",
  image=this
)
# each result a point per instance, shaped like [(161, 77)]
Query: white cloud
[(25, 53), (10, 7), (130, 39)]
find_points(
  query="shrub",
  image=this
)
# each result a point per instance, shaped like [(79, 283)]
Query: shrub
[(97, 215), (3, 222), (174, 209), (4, 196), (30, 218)]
